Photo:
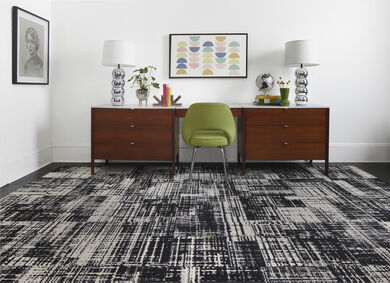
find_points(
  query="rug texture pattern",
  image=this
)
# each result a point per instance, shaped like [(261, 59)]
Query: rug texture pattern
[(286, 223)]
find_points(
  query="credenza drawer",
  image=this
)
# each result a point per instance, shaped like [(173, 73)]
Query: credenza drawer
[(147, 136), (132, 118), (286, 116), (285, 151), (285, 133), (132, 151)]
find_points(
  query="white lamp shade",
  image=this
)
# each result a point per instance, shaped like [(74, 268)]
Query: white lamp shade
[(301, 52), (119, 52)]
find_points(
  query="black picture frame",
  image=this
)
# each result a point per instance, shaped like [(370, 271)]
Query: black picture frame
[(243, 66), (30, 48)]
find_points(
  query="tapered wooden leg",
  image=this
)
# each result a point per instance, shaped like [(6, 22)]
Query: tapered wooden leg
[(310, 162), (92, 166), (106, 162), (326, 167)]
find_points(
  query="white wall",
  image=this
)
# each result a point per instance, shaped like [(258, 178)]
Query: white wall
[(25, 110), (354, 47)]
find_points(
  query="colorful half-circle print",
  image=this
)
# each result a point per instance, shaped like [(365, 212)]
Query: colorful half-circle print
[(220, 60), (208, 43), (182, 43), (234, 73), (234, 55), (208, 66), (194, 43), (207, 55), (207, 73), (194, 65), (194, 49), (220, 55), (182, 49), (220, 43), (194, 59), (194, 38), (234, 49), (181, 72), (194, 54), (207, 49), (181, 60), (234, 61), (183, 66), (181, 54), (220, 66), (220, 38), (220, 49), (207, 61), (234, 44), (234, 67)]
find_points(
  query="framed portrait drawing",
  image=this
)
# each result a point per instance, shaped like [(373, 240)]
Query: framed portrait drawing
[(208, 55), (30, 48)]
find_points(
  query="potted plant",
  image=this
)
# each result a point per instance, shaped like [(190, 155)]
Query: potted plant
[(143, 79)]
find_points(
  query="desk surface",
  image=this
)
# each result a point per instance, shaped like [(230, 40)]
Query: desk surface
[(231, 105)]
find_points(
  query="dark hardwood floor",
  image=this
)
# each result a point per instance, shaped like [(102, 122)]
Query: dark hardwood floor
[(380, 170)]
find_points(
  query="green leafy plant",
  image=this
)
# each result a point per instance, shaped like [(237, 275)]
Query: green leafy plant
[(143, 78)]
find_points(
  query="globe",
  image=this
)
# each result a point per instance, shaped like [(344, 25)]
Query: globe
[(265, 82)]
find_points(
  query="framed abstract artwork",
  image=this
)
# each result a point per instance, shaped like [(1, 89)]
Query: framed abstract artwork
[(30, 48), (208, 55)]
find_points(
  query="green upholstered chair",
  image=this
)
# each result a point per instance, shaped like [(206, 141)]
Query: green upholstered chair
[(210, 125)]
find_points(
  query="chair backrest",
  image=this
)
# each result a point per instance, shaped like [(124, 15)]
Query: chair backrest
[(209, 116)]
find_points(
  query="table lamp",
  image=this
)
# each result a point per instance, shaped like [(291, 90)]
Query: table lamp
[(301, 53), (118, 53)]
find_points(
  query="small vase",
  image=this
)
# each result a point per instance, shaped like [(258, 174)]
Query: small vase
[(284, 94), (142, 95)]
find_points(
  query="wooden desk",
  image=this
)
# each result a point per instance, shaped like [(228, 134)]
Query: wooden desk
[(131, 132)]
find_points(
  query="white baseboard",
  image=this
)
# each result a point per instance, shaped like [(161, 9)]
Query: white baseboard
[(339, 152), (359, 152), (26, 165)]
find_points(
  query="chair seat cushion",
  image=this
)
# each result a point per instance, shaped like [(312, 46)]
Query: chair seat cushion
[(208, 138)]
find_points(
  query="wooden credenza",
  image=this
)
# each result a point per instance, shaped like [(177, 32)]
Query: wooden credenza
[(133, 134), (264, 133), (296, 133)]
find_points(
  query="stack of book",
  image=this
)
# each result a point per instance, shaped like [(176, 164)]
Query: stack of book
[(267, 99), (167, 95)]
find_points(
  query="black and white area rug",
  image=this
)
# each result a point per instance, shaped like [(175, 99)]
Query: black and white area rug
[(278, 223)]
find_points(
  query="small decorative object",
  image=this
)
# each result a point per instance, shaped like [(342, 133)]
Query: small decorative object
[(118, 53), (208, 55), (30, 48), (301, 53), (144, 79), (267, 100), (265, 82), (284, 91), (174, 102)]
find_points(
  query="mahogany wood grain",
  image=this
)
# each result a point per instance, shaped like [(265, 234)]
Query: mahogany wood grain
[(285, 151), (301, 116), (132, 152), (292, 133), (160, 118), (149, 136)]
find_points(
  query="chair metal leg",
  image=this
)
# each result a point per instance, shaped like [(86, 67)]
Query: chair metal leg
[(224, 161), (193, 161)]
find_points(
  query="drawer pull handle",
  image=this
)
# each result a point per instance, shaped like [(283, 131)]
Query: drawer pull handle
[(132, 143), (285, 143), (132, 126), (286, 126)]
